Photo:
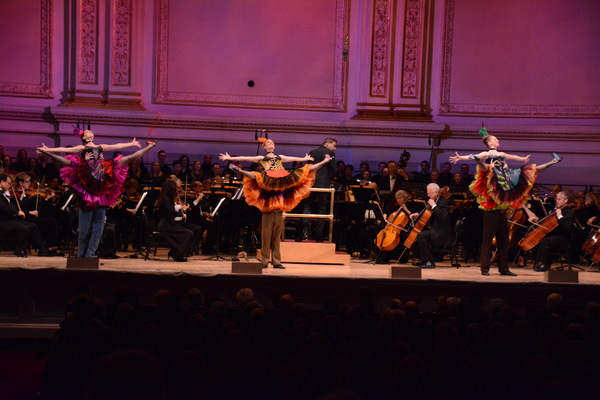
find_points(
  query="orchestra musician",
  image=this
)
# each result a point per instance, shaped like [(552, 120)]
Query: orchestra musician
[(392, 181), (397, 252), (46, 232), (558, 237), (12, 220), (439, 227), (181, 239), (499, 188), (274, 191), (201, 218)]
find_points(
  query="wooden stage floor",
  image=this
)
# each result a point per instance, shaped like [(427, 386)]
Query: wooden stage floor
[(34, 290), (358, 269)]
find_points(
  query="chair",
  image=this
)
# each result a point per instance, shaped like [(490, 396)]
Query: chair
[(451, 247), (155, 238)]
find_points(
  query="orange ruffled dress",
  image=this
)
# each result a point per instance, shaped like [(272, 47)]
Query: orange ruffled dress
[(277, 188), (503, 188)]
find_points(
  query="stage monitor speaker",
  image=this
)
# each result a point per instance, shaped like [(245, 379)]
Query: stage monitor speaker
[(405, 272), (561, 275), (245, 267), (83, 263)]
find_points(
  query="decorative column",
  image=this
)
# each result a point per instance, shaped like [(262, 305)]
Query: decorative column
[(395, 84), (102, 58)]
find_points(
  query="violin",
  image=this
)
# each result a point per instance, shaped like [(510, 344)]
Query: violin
[(389, 237), (544, 227), (423, 219)]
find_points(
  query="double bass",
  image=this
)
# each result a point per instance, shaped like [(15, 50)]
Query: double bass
[(423, 219), (389, 237)]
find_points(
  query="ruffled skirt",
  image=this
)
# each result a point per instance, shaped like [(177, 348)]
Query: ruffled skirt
[(279, 190), (494, 195), (93, 192)]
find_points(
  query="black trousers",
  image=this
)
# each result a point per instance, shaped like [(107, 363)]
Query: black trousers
[(548, 246), (494, 224)]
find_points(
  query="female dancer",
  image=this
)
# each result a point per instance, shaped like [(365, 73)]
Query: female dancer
[(274, 191), (499, 188), (96, 182)]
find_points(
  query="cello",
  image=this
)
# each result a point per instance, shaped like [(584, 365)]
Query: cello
[(543, 227), (592, 244), (423, 219), (389, 237)]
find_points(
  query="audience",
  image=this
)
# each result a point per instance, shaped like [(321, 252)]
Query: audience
[(209, 350)]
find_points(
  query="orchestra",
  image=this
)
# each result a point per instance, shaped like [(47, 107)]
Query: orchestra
[(44, 202)]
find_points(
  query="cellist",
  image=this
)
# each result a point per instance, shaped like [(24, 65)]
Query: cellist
[(558, 237), (439, 226), (396, 253)]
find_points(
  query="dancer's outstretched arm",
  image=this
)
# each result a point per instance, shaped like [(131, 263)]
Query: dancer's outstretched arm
[(292, 159), (318, 165), (72, 150), (119, 146), (456, 158), (226, 156)]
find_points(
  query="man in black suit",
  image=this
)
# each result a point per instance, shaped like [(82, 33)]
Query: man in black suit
[(559, 237), (12, 219), (391, 182), (322, 180), (439, 226)]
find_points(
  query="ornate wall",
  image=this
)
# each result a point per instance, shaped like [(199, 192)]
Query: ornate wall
[(382, 76)]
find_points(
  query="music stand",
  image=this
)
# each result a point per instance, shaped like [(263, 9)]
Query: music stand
[(213, 214), (148, 199)]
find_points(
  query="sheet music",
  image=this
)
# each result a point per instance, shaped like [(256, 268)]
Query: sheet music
[(217, 207), (239, 193), (67, 203), (137, 207)]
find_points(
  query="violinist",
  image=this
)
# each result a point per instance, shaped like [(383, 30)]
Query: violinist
[(172, 222), (385, 256), (558, 237), (35, 209), (201, 218), (122, 215), (439, 227), (12, 218)]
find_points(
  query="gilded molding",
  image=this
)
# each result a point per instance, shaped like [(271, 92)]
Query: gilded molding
[(411, 61), (380, 48), (88, 42), (166, 96), (121, 43), (44, 89)]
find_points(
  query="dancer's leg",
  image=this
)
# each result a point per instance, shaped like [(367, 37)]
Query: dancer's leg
[(138, 154), (555, 160)]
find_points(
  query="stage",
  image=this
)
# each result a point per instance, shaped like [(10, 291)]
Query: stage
[(34, 290)]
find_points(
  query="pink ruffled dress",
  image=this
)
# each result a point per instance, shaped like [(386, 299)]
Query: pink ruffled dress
[(95, 181)]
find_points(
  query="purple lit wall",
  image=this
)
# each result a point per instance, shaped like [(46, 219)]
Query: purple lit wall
[(381, 76)]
